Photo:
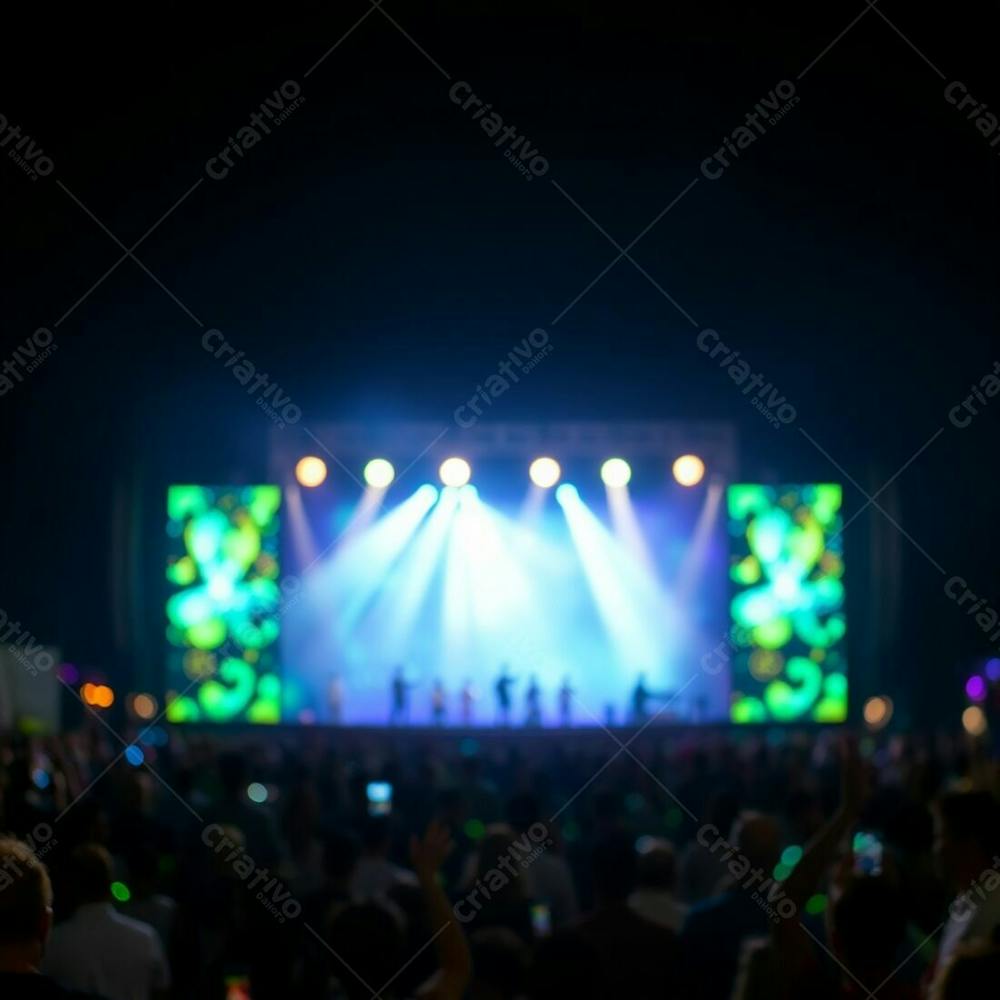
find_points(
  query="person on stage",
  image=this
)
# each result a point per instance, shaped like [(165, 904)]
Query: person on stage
[(565, 702), (640, 701), (533, 702), (468, 700), (503, 694), (400, 713), (438, 711)]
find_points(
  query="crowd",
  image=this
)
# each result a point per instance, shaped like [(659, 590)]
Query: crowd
[(686, 865)]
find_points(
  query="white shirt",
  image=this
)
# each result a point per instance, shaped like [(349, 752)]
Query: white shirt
[(375, 877), (548, 880), (100, 951), (658, 906)]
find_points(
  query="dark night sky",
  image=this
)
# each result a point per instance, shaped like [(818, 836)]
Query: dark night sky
[(378, 256)]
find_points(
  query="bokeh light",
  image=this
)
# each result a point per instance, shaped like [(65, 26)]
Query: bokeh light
[(974, 720), (97, 695), (689, 470), (791, 855), (256, 792), (121, 892), (975, 688), (615, 473), (144, 706), (134, 755), (545, 472), (379, 473), (993, 669), (455, 472), (474, 829), (310, 471), (877, 712)]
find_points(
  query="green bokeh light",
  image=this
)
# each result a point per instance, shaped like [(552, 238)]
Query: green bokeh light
[(791, 855), (816, 904)]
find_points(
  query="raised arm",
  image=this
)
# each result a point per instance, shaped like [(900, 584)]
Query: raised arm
[(427, 855)]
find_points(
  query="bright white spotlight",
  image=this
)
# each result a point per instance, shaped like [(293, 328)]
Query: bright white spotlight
[(567, 492), (545, 472), (379, 473), (689, 470), (455, 472), (310, 471), (616, 473)]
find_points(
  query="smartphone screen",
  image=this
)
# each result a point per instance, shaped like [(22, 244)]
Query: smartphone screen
[(867, 853), (379, 798), (541, 920)]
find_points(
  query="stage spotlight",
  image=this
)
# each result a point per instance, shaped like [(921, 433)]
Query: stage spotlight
[(455, 472), (310, 471), (616, 473), (545, 472), (379, 473), (689, 470), (567, 492)]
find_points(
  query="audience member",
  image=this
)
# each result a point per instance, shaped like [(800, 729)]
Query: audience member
[(25, 923), (656, 882), (97, 948), (639, 958)]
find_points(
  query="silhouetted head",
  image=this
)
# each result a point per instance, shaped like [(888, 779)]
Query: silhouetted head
[(341, 851), (614, 867), (376, 835), (758, 836), (25, 907), (657, 865), (869, 922), (367, 948), (89, 873), (967, 834), (500, 961)]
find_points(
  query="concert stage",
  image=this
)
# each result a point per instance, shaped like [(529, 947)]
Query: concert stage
[(535, 576)]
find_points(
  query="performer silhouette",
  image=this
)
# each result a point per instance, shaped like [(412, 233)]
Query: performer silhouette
[(565, 703), (400, 712), (640, 700), (503, 694), (438, 711), (533, 701), (468, 699)]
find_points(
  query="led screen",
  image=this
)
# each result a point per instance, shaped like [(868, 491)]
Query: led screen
[(787, 649), (223, 619)]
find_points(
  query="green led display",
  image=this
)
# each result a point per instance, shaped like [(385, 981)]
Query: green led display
[(787, 611), (223, 607)]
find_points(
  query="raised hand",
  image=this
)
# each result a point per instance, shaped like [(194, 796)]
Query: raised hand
[(427, 853)]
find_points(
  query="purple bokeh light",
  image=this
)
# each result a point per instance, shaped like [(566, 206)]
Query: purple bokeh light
[(975, 688)]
